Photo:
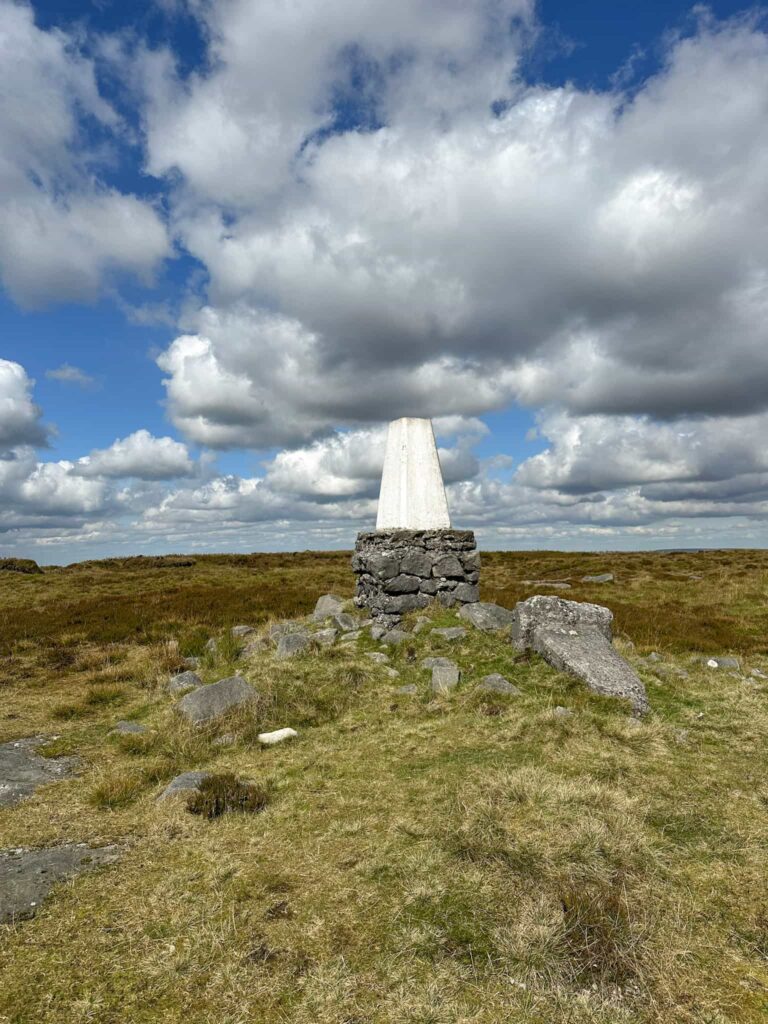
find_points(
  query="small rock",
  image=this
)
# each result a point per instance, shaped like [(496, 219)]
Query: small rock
[(280, 629), (445, 677), (325, 637), (256, 646), (681, 736), (430, 663), (392, 673), (227, 739), (269, 739), (209, 703), (211, 647), (378, 656), (352, 637), (466, 593), (377, 632), (654, 656), (345, 622), (421, 624), (394, 637), (187, 782), (27, 876), (291, 645), (757, 673), (328, 605), (241, 631), (132, 728), (407, 691), (725, 662), (183, 681), (448, 567), (451, 633), (561, 712), (549, 584), (487, 616), (603, 577), (496, 683), (192, 663)]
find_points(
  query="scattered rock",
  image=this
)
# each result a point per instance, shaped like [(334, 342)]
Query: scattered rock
[(377, 632), (654, 656), (403, 584), (23, 770), (328, 605), (378, 656), (451, 633), (211, 647), (27, 876), (292, 644), (192, 663), (466, 593), (352, 637), (345, 622), (325, 637), (757, 673), (561, 712), (241, 631), (603, 577), (394, 637), (497, 684), (129, 728), (280, 629), (183, 785), (445, 676), (407, 691), (269, 739), (575, 637), (258, 645), (392, 673), (227, 739), (725, 662), (183, 681), (487, 616), (421, 623), (209, 703), (430, 663)]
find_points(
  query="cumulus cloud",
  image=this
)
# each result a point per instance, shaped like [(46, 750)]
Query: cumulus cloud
[(20, 418), (61, 231), (139, 455)]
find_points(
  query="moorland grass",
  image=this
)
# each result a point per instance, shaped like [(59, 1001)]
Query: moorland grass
[(473, 858)]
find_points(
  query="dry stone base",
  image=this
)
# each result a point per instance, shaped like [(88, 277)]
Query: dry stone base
[(401, 570)]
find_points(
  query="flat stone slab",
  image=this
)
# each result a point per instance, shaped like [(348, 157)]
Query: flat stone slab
[(292, 644), (187, 782), (209, 703), (575, 637), (496, 683), (241, 631), (325, 637), (548, 584), (445, 677), (183, 681), (278, 629), (269, 739), (410, 690), (27, 876), (603, 577), (23, 770), (450, 633), (725, 662), (129, 729), (394, 637), (430, 663), (487, 616), (378, 656)]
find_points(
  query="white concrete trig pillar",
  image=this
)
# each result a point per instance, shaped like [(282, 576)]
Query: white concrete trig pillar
[(412, 491)]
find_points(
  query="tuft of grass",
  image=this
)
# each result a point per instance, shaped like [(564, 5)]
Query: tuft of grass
[(221, 793), (117, 790)]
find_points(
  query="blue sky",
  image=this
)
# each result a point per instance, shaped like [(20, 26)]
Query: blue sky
[(235, 245)]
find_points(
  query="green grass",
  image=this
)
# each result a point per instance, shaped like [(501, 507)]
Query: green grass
[(472, 858)]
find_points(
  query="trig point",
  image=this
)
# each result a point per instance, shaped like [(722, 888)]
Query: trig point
[(414, 557)]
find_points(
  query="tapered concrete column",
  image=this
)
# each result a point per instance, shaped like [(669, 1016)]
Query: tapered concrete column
[(412, 493)]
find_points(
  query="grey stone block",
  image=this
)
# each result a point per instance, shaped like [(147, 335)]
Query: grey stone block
[(544, 610), (467, 593), (603, 577), (383, 565), (450, 633), (496, 683), (429, 587), (292, 644), (430, 663), (183, 681), (487, 616), (209, 703), (403, 584), (242, 631), (417, 563), (325, 637), (394, 637), (445, 677), (326, 606), (448, 566), (184, 784)]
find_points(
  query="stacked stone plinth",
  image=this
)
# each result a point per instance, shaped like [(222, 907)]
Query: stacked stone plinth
[(402, 570)]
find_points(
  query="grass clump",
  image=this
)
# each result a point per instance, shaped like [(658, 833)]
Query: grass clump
[(224, 792)]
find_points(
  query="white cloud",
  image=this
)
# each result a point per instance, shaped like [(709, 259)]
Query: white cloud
[(139, 455), (20, 418), (61, 232), (71, 375)]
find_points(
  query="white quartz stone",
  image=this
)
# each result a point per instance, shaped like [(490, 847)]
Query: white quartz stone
[(278, 736), (412, 492)]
